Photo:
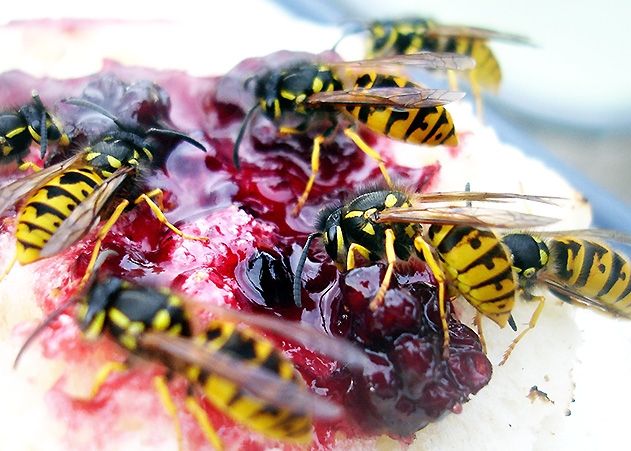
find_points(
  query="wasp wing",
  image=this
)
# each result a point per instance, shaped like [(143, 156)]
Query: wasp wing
[(85, 216), (258, 381), (472, 196), (334, 347), (567, 294), (473, 216), (421, 60), (457, 31), (596, 234), (16, 190), (406, 97)]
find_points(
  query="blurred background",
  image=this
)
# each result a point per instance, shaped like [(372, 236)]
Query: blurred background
[(571, 93), (568, 98)]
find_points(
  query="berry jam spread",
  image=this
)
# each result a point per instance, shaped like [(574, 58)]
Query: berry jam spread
[(254, 246)]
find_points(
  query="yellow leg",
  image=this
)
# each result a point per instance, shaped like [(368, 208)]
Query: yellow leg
[(160, 384), (477, 95), (29, 165), (289, 131), (156, 211), (452, 77), (385, 283), (102, 375), (315, 168), (9, 268), (478, 324), (204, 424), (156, 195), (421, 245), (372, 153), (99, 240), (531, 325)]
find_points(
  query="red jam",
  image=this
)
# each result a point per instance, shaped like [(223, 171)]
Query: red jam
[(253, 249)]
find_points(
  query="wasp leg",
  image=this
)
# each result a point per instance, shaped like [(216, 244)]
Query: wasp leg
[(477, 95), (157, 195), (391, 256), (9, 268), (315, 168), (162, 388), (158, 213), (477, 320), (531, 325), (289, 131), (372, 153), (99, 240), (421, 245), (101, 376), (25, 166), (204, 423), (452, 78)]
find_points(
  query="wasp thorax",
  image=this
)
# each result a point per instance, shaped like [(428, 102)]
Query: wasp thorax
[(529, 254)]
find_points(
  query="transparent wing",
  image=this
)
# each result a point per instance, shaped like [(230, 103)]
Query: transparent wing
[(571, 296), (473, 216), (85, 216), (16, 190), (334, 347), (596, 234), (405, 97), (421, 60), (258, 381), (472, 196), (458, 31)]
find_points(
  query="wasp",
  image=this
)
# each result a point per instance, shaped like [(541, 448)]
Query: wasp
[(239, 371), (31, 122), (576, 265), (305, 95), (61, 203), (457, 244), (408, 36)]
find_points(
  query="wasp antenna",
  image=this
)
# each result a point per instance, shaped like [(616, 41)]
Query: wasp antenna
[(104, 255), (40, 328), (176, 134), (94, 107), (43, 135), (297, 288), (350, 27), (237, 142)]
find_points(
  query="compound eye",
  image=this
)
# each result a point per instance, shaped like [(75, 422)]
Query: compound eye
[(330, 242), (528, 273)]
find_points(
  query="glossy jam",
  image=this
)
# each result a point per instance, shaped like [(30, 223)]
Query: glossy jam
[(254, 246)]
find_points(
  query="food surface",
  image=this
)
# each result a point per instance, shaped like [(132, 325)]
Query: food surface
[(248, 263)]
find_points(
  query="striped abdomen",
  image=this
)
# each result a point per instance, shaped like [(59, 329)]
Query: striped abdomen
[(431, 126), (479, 266), (42, 214), (228, 396), (404, 38), (593, 270)]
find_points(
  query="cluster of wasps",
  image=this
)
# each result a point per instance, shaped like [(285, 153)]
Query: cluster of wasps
[(237, 369)]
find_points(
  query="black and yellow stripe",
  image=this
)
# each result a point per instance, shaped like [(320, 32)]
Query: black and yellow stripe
[(231, 399), (478, 264), (592, 270), (49, 206), (127, 311), (431, 126), (389, 38)]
